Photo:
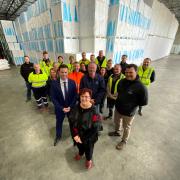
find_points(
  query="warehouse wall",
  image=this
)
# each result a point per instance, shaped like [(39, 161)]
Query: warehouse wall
[(12, 44), (133, 27), (176, 46)]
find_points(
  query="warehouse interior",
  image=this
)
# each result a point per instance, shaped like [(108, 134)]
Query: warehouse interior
[(136, 28)]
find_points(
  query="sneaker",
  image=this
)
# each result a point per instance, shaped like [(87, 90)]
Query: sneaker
[(114, 133), (77, 157), (88, 164), (120, 145)]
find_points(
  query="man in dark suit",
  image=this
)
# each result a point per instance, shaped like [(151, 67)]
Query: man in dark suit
[(64, 96)]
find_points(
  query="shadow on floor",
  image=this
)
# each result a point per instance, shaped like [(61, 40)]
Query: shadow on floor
[(75, 166)]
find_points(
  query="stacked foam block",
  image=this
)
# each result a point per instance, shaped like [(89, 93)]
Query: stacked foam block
[(64, 27)]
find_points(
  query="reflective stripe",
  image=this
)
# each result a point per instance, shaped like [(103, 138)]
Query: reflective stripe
[(38, 82), (38, 99), (116, 84), (145, 75), (39, 86)]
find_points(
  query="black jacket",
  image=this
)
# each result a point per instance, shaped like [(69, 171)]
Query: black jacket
[(123, 67), (25, 70), (131, 94), (97, 85), (84, 123)]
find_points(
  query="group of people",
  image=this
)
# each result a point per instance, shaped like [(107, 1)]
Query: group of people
[(78, 91)]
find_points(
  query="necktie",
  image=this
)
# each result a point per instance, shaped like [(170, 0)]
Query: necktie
[(65, 93)]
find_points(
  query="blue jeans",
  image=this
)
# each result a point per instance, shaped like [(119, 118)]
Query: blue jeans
[(28, 86)]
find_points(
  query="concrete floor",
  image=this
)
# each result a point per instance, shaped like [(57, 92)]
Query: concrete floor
[(152, 153)]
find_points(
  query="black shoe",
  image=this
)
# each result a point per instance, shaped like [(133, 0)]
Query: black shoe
[(139, 112), (28, 99), (101, 111), (56, 141)]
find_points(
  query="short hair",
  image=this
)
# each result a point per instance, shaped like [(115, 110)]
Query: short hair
[(117, 65), (124, 55), (36, 64), (132, 66), (83, 53), (148, 59), (71, 57), (76, 62), (52, 69), (55, 63), (92, 63), (84, 90), (45, 52), (60, 57), (26, 56), (62, 66), (109, 60)]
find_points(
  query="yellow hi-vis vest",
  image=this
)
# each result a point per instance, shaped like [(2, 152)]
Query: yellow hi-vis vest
[(45, 68), (117, 82), (70, 67), (145, 75), (86, 62), (104, 63), (37, 80)]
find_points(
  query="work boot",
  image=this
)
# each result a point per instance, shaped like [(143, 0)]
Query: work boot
[(114, 133), (120, 145)]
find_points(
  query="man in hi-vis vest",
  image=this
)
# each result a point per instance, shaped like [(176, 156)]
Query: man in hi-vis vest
[(112, 85), (146, 75)]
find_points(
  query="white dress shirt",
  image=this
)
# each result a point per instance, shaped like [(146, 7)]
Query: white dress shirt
[(62, 86)]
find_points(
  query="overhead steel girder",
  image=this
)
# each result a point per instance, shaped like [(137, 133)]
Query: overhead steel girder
[(10, 9), (173, 6)]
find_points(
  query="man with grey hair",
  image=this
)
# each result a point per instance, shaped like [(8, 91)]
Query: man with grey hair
[(94, 82)]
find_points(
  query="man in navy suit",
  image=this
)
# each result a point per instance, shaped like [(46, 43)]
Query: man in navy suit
[(64, 96)]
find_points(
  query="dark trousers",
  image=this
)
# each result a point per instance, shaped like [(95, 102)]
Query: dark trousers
[(28, 86), (102, 102), (87, 149), (110, 105), (140, 109), (60, 115), (40, 94)]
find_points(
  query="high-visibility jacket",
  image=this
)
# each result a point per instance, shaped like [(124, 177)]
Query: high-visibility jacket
[(45, 68), (104, 63), (145, 75), (38, 80), (86, 62), (110, 80), (76, 76), (60, 63), (70, 67)]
